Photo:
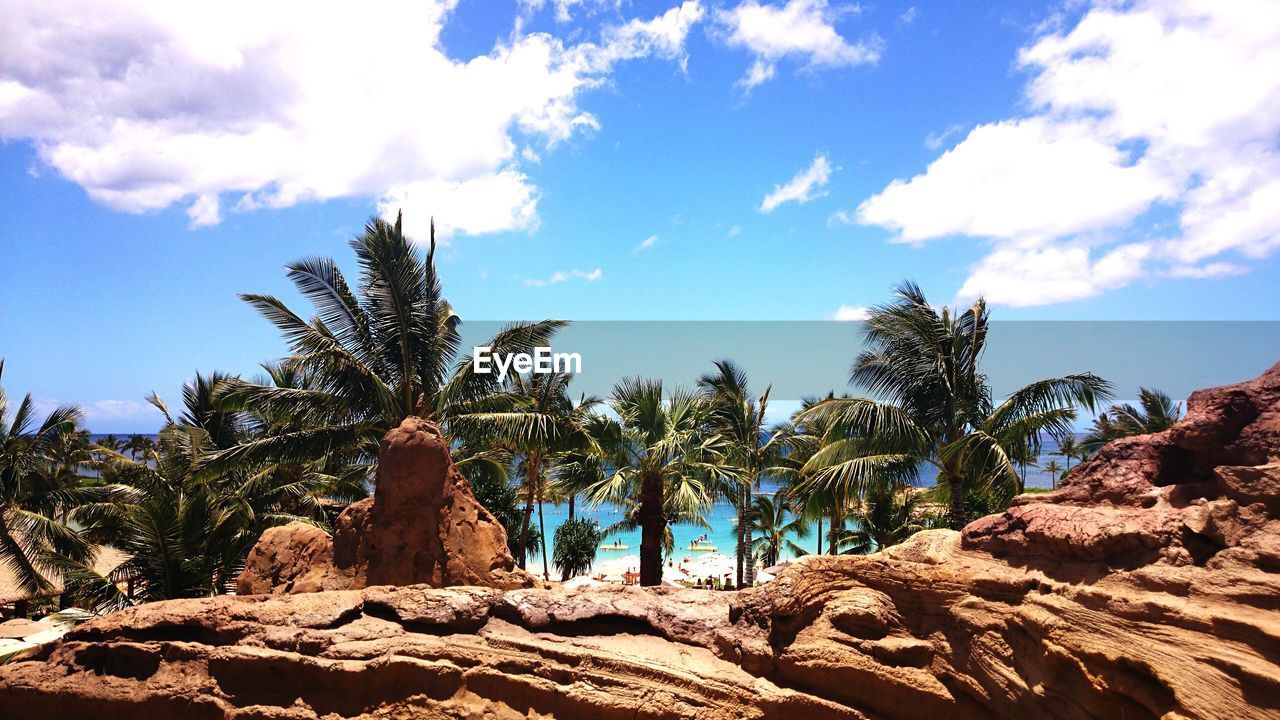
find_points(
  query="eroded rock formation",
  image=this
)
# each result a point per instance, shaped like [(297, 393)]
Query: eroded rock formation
[(422, 526), (1148, 587)]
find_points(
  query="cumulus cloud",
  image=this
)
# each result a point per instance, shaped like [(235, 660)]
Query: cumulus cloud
[(149, 104), (1155, 109), (564, 276), (646, 244), (850, 313), (800, 30), (805, 186)]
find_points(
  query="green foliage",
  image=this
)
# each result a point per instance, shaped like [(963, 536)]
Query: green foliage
[(188, 530), (38, 488), (772, 527), (665, 460), (1155, 412), (932, 405), (575, 547)]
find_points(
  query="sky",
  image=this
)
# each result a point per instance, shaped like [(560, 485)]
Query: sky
[(609, 160)]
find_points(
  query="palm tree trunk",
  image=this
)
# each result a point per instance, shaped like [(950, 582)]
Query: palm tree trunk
[(742, 532), (833, 533), (819, 535), (542, 529), (957, 502), (749, 574), (652, 524), (572, 498), (531, 472)]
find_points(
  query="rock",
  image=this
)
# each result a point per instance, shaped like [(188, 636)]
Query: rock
[(291, 558), (1149, 587), (422, 526)]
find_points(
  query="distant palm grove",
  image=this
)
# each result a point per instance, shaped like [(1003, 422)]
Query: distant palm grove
[(918, 442)]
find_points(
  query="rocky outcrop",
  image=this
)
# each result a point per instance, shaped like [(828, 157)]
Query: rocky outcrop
[(422, 526), (1146, 588)]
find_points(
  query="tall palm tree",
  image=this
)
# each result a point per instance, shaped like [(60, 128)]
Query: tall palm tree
[(1055, 472), (773, 526), (663, 457), (931, 404), (373, 358), (739, 418), (560, 427), (31, 499)]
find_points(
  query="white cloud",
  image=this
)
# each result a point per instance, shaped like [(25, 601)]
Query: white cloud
[(100, 411), (1020, 277), (646, 244), (803, 30), (735, 231), (802, 188), (851, 313), (909, 15), (564, 276), (565, 8), (1157, 109), (154, 104), (935, 141)]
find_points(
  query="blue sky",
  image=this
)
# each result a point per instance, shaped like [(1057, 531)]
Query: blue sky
[(1067, 162)]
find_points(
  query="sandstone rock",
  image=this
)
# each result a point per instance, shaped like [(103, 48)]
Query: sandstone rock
[(292, 558), (422, 526)]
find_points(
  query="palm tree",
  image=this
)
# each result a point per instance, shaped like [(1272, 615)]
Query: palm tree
[(1055, 471), (111, 442), (884, 519), (139, 446), (936, 408), (773, 526), (754, 449), (373, 358), (1068, 449), (575, 547), (31, 499), (663, 457), (1155, 412), (187, 530), (559, 427)]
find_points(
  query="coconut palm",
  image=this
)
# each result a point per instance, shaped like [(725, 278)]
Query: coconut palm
[(557, 427), (373, 357), (1055, 471), (883, 518), (663, 457), (1155, 412), (931, 404), (739, 418), (773, 526), (31, 498), (818, 503), (139, 446), (188, 531), (575, 547), (1068, 449)]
